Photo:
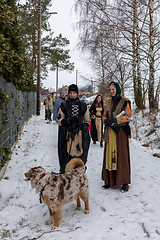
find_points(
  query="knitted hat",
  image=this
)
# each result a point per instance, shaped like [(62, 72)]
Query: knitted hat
[(73, 88), (84, 96), (118, 91), (62, 91)]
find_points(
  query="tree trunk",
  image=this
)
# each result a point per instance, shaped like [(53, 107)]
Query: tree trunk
[(134, 56), (102, 65), (157, 96), (33, 46), (57, 81), (139, 85), (136, 60), (151, 58)]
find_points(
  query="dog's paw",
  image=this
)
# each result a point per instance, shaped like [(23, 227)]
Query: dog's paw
[(86, 211), (78, 208), (54, 227), (49, 221)]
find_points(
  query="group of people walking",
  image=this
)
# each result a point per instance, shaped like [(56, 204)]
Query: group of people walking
[(109, 122)]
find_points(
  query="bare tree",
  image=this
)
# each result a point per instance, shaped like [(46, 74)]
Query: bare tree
[(124, 27)]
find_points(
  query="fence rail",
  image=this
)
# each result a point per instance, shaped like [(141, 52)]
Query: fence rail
[(16, 107)]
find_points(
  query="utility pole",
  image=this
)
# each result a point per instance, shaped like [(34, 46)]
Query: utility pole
[(92, 85), (39, 58), (57, 81), (76, 76), (57, 67)]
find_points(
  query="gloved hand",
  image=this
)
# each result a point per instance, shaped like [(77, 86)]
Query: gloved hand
[(74, 119), (66, 121), (109, 122)]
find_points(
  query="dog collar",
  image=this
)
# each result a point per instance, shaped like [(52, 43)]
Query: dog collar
[(43, 174)]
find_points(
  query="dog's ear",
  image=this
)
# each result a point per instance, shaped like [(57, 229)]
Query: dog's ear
[(36, 169), (31, 173)]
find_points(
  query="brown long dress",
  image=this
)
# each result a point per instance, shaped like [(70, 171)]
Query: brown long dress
[(122, 174)]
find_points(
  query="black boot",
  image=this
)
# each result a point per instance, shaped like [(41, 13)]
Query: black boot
[(125, 188), (105, 186), (101, 144), (94, 142)]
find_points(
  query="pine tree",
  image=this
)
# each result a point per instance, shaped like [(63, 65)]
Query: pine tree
[(50, 51), (14, 63), (59, 56)]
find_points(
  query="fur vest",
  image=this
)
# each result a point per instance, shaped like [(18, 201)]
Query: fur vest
[(119, 106)]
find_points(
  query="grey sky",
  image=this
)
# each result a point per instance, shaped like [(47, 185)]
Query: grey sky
[(63, 23)]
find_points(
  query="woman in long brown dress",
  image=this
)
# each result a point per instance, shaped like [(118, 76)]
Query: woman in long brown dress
[(116, 161)]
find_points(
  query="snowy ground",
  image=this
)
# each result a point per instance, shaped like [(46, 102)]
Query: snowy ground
[(113, 215)]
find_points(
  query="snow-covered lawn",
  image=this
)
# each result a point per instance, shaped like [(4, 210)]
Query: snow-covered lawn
[(113, 215)]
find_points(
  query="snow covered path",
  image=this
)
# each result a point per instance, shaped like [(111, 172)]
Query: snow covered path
[(113, 215)]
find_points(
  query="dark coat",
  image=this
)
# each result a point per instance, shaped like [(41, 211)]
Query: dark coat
[(56, 107), (66, 112), (93, 126), (122, 174)]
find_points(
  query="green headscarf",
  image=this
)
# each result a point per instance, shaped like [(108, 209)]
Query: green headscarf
[(118, 91)]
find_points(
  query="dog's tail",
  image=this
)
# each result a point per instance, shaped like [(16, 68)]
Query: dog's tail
[(75, 163)]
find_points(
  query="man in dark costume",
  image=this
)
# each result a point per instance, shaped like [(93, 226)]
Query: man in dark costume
[(73, 138)]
